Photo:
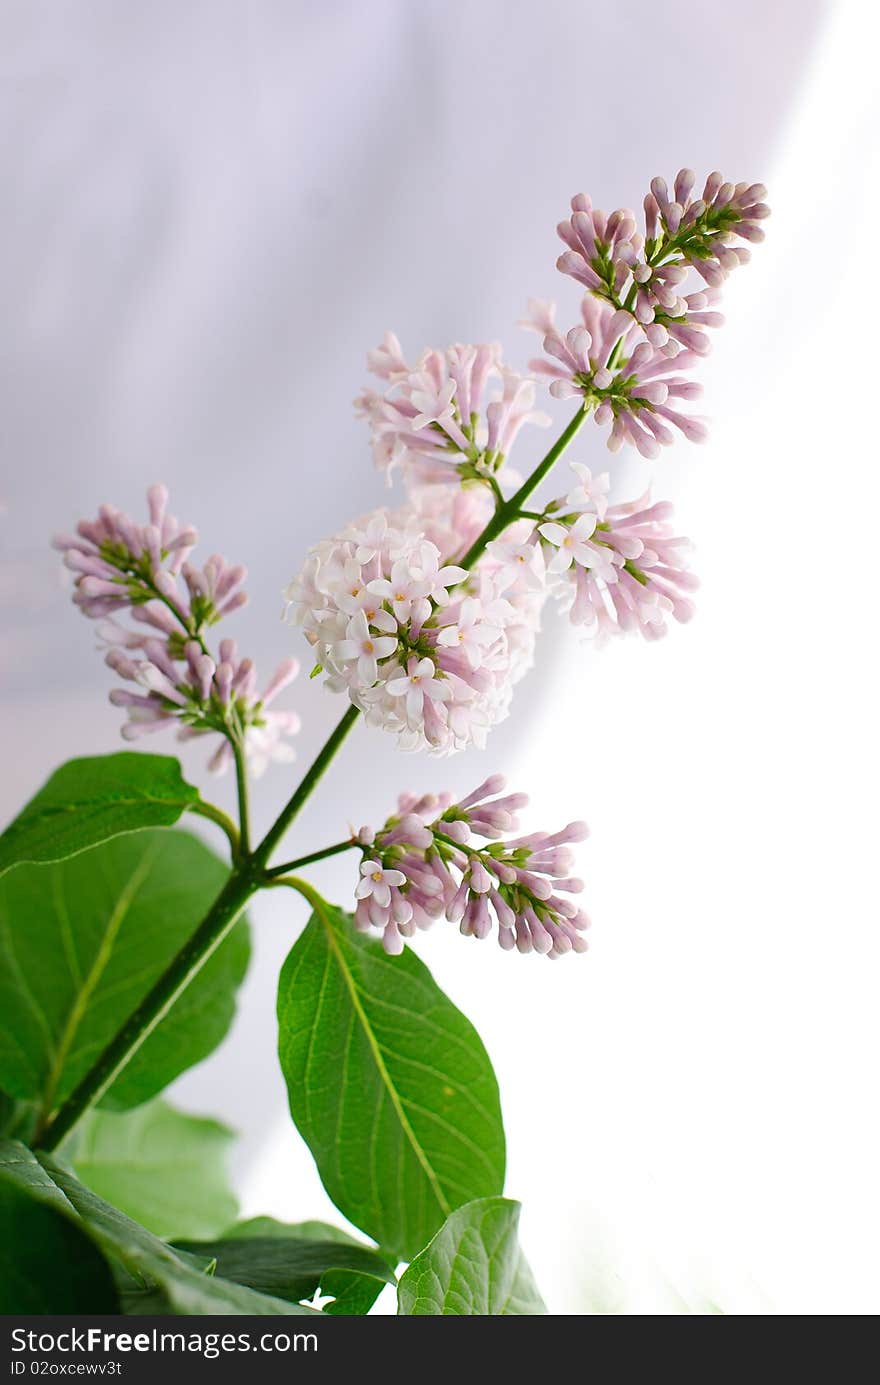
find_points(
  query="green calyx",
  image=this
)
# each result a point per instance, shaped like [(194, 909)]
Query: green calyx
[(693, 242)]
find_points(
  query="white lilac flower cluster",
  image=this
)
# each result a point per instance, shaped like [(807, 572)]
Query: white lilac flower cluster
[(141, 570), (423, 647), (639, 311), (438, 859), (435, 419)]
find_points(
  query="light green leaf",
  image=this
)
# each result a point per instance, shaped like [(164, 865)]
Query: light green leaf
[(167, 1280), (47, 1263), (90, 800), (389, 1085), (294, 1269), (162, 1167), (473, 1267), (81, 943)]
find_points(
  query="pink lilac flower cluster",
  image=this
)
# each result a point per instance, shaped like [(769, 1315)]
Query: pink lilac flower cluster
[(424, 648), (615, 568), (141, 571), (435, 419), (428, 862), (627, 382), (612, 260), (638, 312), (432, 652)]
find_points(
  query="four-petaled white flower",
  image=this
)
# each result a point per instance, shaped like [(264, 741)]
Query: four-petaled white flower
[(406, 590), (352, 588), (519, 563), (432, 401), (591, 492), (470, 633), (425, 564), (361, 644), (417, 686), (372, 538), (377, 883), (572, 543)]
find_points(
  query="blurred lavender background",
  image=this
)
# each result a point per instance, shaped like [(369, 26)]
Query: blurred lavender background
[(212, 211)]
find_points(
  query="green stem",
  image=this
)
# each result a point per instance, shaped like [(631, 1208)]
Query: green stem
[(308, 892), (241, 784), (223, 821), (509, 511), (210, 933), (305, 787), (311, 858), (496, 491)]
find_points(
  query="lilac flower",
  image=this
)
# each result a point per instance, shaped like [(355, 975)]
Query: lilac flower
[(627, 382), (703, 229), (427, 862), (142, 571), (365, 646), (590, 492), (573, 544), (625, 572), (120, 564), (436, 419), (645, 275), (418, 685), (432, 651), (519, 564)]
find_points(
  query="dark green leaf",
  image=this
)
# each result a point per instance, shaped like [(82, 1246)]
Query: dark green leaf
[(155, 1272), (88, 801), (295, 1269), (299, 1231), (16, 1117), (162, 1167), (81, 943), (473, 1267), (389, 1085), (350, 1293), (47, 1263)]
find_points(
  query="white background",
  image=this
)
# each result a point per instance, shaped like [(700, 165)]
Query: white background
[(210, 212)]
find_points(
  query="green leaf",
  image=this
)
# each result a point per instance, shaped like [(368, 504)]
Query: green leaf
[(167, 1280), (90, 800), (351, 1293), (47, 1263), (389, 1085), (162, 1167), (473, 1267), (16, 1117), (81, 943), (295, 1269), (300, 1231)]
